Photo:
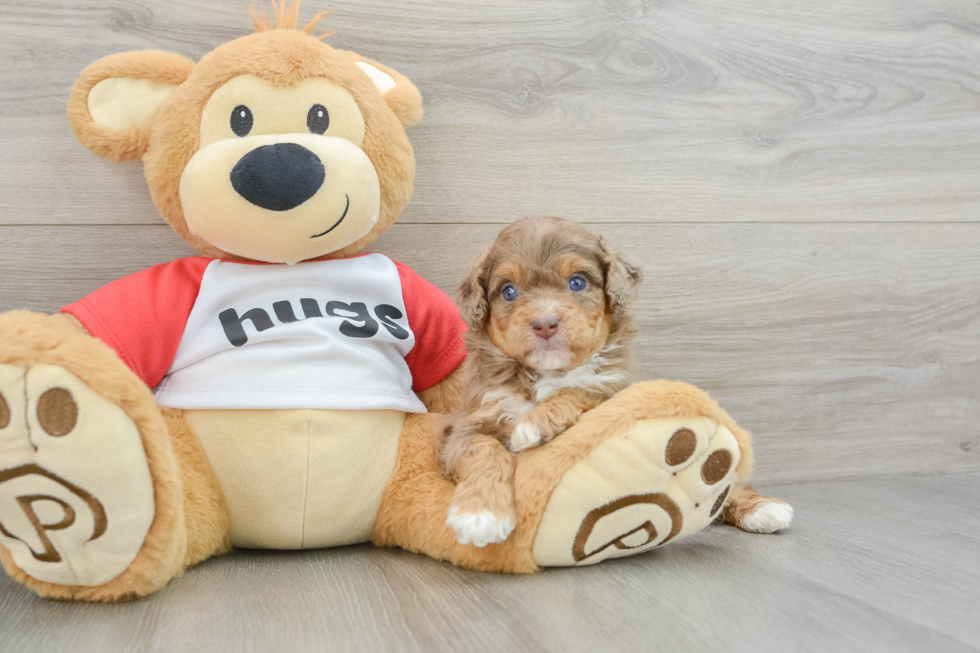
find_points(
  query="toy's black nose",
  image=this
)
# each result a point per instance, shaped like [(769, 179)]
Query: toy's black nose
[(278, 177)]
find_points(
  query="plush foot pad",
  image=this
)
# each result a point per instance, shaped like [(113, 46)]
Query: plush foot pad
[(768, 517), (76, 497), (659, 481)]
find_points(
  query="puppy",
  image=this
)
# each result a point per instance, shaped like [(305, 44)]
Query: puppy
[(546, 306)]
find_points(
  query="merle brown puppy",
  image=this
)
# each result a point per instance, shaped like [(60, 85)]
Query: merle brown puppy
[(547, 310)]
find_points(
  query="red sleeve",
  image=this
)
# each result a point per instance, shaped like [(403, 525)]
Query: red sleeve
[(142, 316), (438, 329)]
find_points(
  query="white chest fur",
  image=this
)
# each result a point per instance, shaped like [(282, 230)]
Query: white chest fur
[(508, 406)]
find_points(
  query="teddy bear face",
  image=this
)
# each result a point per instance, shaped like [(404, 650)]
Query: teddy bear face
[(296, 165), (275, 147)]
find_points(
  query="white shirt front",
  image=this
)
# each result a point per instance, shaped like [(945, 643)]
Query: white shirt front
[(324, 334)]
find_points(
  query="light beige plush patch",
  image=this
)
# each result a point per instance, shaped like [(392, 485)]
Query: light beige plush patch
[(636, 491), (281, 109), (345, 208), (76, 497), (121, 102), (31, 339), (127, 143), (382, 80), (297, 479)]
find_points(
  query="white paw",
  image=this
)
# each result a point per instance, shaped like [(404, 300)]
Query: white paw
[(479, 529), (768, 518), (525, 436)]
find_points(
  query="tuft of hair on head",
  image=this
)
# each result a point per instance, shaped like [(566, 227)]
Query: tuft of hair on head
[(286, 14)]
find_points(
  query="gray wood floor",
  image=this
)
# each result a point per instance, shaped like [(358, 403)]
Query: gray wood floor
[(887, 564), (801, 182)]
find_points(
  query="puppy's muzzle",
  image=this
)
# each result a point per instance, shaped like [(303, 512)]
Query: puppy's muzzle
[(278, 177)]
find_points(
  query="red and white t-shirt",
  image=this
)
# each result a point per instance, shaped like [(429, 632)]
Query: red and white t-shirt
[(360, 333)]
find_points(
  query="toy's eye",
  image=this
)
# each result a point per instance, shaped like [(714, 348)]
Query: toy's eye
[(577, 283), (509, 293), (241, 120), (317, 120)]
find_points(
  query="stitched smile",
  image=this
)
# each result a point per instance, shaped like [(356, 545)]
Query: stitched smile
[(337, 223)]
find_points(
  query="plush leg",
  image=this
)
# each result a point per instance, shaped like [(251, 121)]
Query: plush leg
[(415, 507), (102, 497), (206, 517), (654, 464), (756, 513)]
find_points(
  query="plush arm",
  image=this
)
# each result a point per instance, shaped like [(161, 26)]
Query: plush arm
[(445, 396), (70, 320)]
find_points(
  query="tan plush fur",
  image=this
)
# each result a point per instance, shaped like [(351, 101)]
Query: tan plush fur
[(131, 143), (280, 56), (191, 519), (70, 320), (413, 513), (31, 338), (445, 396), (286, 16), (205, 511)]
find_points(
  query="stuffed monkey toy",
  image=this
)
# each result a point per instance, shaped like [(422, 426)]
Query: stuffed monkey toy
[(282, 390)]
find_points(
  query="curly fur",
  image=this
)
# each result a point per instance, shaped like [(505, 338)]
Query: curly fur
[(509, 398)]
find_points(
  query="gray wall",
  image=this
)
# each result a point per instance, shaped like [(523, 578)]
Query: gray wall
[(801, 182)]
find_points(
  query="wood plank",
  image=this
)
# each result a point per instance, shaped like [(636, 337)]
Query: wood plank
[(618, 111), (868, 565), (846, 349)]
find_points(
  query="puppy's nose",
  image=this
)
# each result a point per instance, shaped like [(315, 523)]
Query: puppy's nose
[(545, 327), (278, 177)]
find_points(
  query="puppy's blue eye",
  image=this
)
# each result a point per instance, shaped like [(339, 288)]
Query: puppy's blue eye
[(577, 283), (509, 293)]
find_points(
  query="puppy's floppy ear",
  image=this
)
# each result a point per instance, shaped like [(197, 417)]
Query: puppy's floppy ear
[(401, 95), (114, 101), (471, 296), (623, 279)]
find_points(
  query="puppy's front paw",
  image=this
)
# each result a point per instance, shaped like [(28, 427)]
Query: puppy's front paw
[(479, 528), (526, 434)]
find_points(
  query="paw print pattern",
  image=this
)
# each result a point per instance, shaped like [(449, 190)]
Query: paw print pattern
[(76, 497), (663, 479)]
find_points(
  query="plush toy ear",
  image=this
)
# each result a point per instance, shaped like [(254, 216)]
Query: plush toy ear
[(623, 279), (114, 101), (471, 296), (400, 94)]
